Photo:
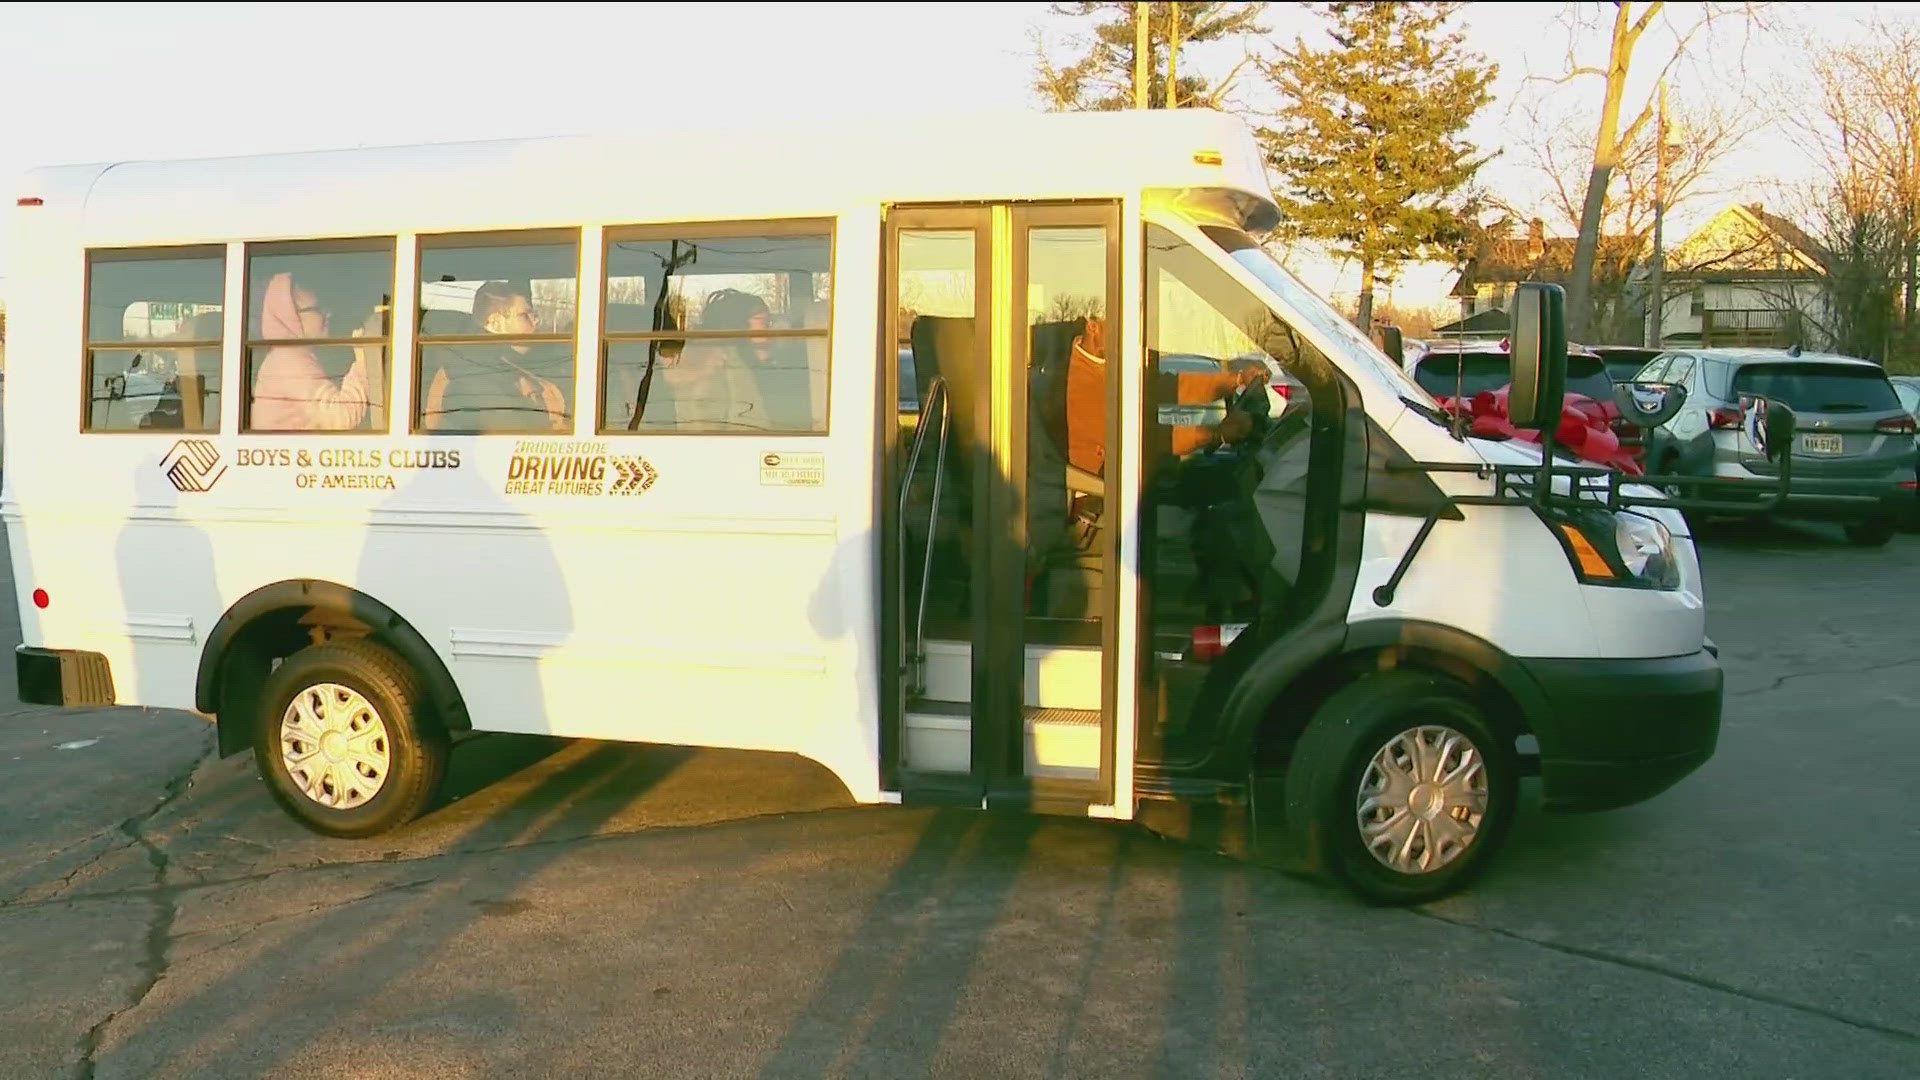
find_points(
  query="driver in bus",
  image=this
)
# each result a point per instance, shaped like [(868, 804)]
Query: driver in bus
[(1240, 387)]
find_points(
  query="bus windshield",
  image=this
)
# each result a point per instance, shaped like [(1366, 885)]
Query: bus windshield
[(1312, 310)]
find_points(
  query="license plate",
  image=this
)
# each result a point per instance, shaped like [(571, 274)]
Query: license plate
[(1189, 415), (1820, 444)]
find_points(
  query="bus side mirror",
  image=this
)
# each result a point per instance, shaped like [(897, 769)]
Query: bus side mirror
[(1393, 344), (1539, 357)]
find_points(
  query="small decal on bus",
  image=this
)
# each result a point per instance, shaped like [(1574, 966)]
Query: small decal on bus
[(558, 467), (191, 465), (793, 470)]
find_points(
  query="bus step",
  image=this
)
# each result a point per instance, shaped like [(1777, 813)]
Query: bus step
[(1059, 742), (1057, 677), (939, 737), (1063, 742)]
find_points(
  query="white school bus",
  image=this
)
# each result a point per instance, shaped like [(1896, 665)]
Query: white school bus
[(993, 464)]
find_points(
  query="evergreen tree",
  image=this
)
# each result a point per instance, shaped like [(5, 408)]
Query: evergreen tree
[(1101, 76), (1368, 147)]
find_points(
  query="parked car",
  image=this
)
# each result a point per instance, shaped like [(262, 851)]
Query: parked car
[(1907, 387), (1467, 369), (1856, 441), (1624, 362)]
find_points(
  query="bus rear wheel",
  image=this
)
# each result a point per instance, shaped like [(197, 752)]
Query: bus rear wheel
[(1401, 787), (342, 741)]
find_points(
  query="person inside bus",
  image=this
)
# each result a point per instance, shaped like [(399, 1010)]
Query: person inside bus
[(483, 388), (766, 386), (658, 368), (291, 391), (183, 402)]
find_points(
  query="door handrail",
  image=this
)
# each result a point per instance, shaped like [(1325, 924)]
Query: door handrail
[(936, 404)]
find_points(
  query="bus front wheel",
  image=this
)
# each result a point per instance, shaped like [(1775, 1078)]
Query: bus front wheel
[(342, 740), (1401, 788)]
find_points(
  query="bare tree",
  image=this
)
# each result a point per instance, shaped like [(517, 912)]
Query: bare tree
[(1612, 142), (1862, 242), (1865, 126), (1560, 153), (1858, 115)]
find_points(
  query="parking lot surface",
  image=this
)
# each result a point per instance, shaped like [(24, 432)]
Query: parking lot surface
[(603, 909)]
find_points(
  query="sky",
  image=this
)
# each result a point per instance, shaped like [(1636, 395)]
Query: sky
[(101, 82)]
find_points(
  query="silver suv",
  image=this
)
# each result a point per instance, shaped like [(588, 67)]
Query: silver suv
[(1854, 437)]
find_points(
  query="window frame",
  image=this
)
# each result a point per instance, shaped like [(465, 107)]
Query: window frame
[(248, 343), (711, 230), (534, 237), (88, 346)]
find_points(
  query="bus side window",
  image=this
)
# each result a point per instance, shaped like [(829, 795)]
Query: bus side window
[(710, 333), (153, 339), (319, 321), (497, 315)]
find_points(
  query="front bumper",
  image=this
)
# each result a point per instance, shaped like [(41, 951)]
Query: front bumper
[(62, 677), (1618, 732)]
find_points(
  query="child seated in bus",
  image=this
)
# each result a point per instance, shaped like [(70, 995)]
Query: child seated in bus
[(291, 391)]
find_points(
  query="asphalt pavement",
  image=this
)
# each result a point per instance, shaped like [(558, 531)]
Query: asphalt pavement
[(613, 910)]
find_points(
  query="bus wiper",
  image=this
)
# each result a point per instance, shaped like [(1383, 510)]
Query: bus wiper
[(1427, 411)]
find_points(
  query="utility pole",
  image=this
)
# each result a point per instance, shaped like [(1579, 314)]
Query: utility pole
[(1656, 318), (1173, 56), (1141, 52)]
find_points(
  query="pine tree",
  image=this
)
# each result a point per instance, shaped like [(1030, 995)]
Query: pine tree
[(1101, 79), (1368, 147)]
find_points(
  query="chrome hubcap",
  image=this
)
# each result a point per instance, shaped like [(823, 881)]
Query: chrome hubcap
[(1422, 799), (334, 746)]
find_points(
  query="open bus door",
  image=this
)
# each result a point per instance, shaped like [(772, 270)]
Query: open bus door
[(1001, 658)]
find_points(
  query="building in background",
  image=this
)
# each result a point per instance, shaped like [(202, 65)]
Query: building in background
[(1746, 278), (1484, 285)]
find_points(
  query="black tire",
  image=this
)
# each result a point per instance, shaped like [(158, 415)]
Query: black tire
[(1874, 533), (415, 745), (1335, 754)]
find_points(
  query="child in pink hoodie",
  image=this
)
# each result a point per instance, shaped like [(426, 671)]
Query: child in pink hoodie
[(291, 392)]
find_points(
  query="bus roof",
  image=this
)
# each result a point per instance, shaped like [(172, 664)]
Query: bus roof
[(663, 175)]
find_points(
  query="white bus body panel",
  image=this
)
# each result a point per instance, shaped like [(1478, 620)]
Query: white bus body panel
[(713, 610), (1500, 575)]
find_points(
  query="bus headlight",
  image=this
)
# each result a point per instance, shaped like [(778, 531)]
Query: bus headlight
[(1625, 549), (1646, 549)]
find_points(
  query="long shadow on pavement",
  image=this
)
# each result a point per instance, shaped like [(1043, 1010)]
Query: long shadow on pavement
[(909, 962), (250, 1001)]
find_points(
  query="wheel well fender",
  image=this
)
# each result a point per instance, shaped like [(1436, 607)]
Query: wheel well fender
[(276, 620), (1496, 680)]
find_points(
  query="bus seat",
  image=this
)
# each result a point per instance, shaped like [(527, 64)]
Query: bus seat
[(814, 314), (1049, 355), (633, 319), (945, 346), (443, 321)]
